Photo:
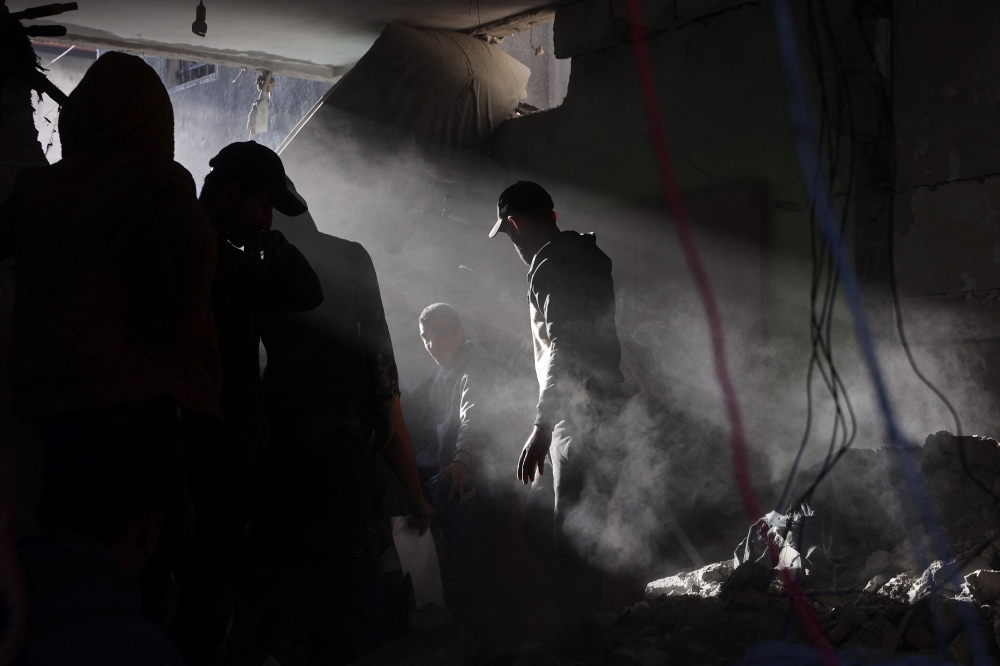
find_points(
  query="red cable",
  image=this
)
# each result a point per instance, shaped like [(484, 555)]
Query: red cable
[(675, 204)]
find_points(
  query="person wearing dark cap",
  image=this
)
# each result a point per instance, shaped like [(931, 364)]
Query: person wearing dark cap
[(571, 298), (257, 271), (331, 389)]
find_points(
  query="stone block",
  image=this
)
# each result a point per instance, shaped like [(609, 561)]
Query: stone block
[(704, 582), (984, 586)]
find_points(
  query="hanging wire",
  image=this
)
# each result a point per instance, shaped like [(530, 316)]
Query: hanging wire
[(804, 129), (828, 156)]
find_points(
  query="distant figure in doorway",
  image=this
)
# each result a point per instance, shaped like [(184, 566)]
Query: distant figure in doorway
[(571, 300), (257, 271)]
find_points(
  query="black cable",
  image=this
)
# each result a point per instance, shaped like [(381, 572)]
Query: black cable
[(815, 328), (821, 324)]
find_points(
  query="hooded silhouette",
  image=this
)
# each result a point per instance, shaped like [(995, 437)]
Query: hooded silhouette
[(114, 258)]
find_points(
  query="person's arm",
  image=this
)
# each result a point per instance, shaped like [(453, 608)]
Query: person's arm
[(376, 348), (478, 386), (401, 460), (283, 281), (563, 292)]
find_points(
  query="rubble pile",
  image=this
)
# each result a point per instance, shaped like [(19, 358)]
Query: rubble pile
[(859, 570), (859, 567)]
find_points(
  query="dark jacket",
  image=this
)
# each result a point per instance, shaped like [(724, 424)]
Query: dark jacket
[(337, 359), (571, 297), (469, 405), (84, 608), (246, 288), (114, 258)]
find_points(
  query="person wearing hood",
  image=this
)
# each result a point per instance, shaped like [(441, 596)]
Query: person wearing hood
[(571, 300), (258, 273), (114, 264), (114, 259)]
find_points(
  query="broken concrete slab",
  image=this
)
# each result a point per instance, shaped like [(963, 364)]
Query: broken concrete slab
[(706, 581), (984, 586)]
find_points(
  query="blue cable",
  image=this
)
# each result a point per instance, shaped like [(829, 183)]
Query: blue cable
[(804, 129)]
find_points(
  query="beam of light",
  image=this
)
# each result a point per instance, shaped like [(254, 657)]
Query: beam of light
[(685, 234)]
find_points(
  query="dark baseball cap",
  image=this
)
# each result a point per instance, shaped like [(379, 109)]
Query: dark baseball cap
[(522, 197), (259, 167)]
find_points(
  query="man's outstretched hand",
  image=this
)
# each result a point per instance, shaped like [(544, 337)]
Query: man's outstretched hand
[(459, 475), (533, 454)]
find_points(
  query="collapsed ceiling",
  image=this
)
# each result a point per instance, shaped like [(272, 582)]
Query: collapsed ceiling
[(317, 39)]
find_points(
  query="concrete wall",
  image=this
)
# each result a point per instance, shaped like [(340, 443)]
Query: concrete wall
[(724, 103), (946, 92)]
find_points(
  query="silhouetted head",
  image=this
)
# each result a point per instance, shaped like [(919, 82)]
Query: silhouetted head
[(442, 333), (526, 214), (246, 185), (119, 105)]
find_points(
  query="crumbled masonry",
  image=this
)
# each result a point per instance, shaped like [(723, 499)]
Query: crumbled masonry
[(868, 592)]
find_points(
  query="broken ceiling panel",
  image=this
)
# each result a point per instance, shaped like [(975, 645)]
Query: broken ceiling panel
[(311, 38)]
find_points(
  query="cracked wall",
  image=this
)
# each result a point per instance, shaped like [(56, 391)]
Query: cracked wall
[(724, 104), (946, 95)]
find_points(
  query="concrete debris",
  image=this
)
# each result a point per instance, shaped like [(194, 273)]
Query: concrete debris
[(876, 583), (859, 570), (748, 586), (860, 576), (704, 582), (984, 586)]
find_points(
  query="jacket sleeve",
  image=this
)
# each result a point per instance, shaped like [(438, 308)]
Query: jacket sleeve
[(476, 413), (561, 293), (286, 284), (373, 334)]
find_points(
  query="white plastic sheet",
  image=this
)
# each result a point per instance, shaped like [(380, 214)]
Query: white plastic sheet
[(418, 557)]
